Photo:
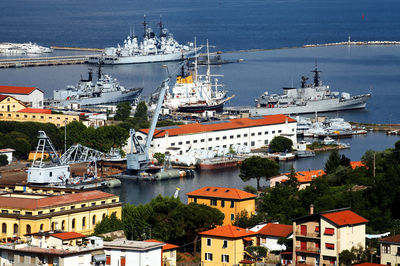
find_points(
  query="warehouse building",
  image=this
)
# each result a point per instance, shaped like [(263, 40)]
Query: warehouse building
[(29, 96)]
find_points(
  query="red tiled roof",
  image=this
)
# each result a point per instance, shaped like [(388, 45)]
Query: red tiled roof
[(357, 164), (220, 125), (17, 90), (392, 239), (307, 176), (221, 192), (280, 230), (2, 97), (166, 247), (229, 231), (32, 204), (345, 217), (35, 110), (68, 235)]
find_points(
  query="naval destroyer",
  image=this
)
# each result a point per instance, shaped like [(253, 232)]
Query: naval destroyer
[(309, 98), (106, 90), (153, 49)]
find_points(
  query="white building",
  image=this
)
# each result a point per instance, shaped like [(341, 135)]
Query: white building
[(254, 132), (30, 96), (8, 153), (122, 252), (269, 234)]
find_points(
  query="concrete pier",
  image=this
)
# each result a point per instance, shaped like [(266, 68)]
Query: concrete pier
[(43, 61)]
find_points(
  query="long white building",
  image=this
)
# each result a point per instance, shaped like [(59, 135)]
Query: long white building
[(30, 96), (254, 132)]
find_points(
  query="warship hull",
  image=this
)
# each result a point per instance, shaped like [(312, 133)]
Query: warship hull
[(141, 59), (328, 105), (105, 98)]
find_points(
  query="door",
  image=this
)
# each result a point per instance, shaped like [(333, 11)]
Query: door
[(303, 245), (303, 230)]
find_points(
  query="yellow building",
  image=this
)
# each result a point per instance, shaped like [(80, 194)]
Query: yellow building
[(230, 201), (33, 211), (10, 104), (12, 109), (225, 245)]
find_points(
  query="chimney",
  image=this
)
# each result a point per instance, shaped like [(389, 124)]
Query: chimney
[(311, 209)]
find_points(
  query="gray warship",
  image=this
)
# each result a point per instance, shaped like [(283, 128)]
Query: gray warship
[(309, 98), (106, 90)]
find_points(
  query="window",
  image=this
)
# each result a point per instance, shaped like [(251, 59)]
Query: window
[(244, 135), (273, 131), (202, 140), (93, 203), (245, 143), (259, 133), (232, 217), (179, 143), (72, 207), (224, 137), (83, 222), (173, 144), (16, 212), (94, 219), (225, 245), (15, 228), (42, 117), (195, 200), (26, 116), (213, 202), (41, 227), (188, 142), (63, 225), (329, 231), (266, 141), (253, 134), (223, 146), (217, 138), (208, 242), (83, 205), (279, 131), (386, 248), (103, 202), (108, 260), (73, 223), (114, 200), (195, 141), (330, 246), (231, 137), (224, 258), (62, 209), (222, 203), (4, 228), (266, 132), (4, 211), (28, 229), (28, 213), (232, 204), (123, 261), (317, 229), (53, 226), (238, 136), (209, 139), (398, 251), (52, 210), (252, 143), (209, 256)]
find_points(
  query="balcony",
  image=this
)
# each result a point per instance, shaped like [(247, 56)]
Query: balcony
[(315, 235), (308, 250)]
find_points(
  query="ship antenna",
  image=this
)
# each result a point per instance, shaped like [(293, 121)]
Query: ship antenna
[(195, 59), (161, 26), (316, 74), (144, 25), (208, 65), (99, 70)]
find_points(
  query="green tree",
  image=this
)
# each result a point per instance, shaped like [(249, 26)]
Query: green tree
[(257, 251), (123, 111), (3, 160), (244, 220), (135, 221), (108, 224), (160, 157), (345, 161), (280, 144), (141, 111), (258, 167), (333, 162), (346, 257)]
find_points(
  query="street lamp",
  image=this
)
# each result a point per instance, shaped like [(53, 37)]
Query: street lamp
[(65, 135)]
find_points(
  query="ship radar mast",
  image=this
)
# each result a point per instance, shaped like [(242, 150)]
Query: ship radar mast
[(316, 76), (162, 34), (144, 26)]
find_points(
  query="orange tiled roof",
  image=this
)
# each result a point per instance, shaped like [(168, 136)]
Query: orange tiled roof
[(280, 230), (220, 125), (17, 90), (35, 110), (166, 247), (221, 192), (229, 231), (357, 164), (68, 235), (307, 176), (345, 217), (32, 204), (2, 97), (392, 239)]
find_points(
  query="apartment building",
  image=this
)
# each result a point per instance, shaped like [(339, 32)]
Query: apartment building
[(319, 238), (230, 201), (390, 250)]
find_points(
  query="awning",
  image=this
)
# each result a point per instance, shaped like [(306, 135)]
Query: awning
[(99, 257), (329, 231)]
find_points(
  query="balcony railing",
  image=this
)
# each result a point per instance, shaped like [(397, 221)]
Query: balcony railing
[(308, 234), (308, 250)]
